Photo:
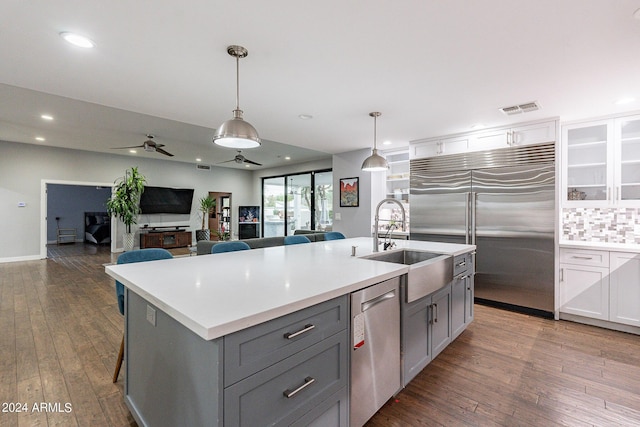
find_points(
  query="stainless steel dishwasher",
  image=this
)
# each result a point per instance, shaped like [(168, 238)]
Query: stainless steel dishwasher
[(375, 355)]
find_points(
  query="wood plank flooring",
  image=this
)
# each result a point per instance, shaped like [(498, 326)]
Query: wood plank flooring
[(60, 330)]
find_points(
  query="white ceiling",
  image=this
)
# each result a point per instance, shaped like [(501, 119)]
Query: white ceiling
[(431, 67)]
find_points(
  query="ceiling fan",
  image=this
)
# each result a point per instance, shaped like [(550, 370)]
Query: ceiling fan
[(239, 158), (150, 146)]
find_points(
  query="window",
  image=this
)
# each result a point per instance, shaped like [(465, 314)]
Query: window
[(297, 202)]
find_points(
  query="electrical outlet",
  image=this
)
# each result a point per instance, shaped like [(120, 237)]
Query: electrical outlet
[(151, 315)]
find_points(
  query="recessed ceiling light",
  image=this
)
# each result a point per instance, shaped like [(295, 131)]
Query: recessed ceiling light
[(247, 166), (305, 116), (287, 158), (386, 143), (626, 100), (46, 117), (133, 151), (39, 138), (77, 40), (198, 159)]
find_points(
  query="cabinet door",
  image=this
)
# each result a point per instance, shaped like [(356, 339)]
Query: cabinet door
[(534, 134), (458, 305), (586, 162), (416, 338), (625, 288), (440, 320), (183, 239), (488, 140), (422, 150), (627, 161), (584, 291), (151, 240), (458, 144), (469, 300)]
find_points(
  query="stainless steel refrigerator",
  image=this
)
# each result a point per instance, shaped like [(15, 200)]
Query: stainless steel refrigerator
[(503, 201)]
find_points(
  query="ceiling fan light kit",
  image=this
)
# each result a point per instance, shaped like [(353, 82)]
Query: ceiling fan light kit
[(236, 132), (375, 162)]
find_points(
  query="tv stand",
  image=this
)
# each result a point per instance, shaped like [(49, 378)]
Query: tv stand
[(157, 237)]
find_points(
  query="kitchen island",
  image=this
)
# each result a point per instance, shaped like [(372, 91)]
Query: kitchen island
[(199, 331)]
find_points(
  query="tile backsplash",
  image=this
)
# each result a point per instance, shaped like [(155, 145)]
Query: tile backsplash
[(611, 225)]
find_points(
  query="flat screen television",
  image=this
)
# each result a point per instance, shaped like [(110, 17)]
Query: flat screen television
[(163, 200)]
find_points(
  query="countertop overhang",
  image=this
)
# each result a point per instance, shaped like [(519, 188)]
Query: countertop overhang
[(215, 295)]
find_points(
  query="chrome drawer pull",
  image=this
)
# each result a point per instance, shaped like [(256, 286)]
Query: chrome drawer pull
[(461, 264), (307, 328), (581, 257), (461, 276), (307, 382)]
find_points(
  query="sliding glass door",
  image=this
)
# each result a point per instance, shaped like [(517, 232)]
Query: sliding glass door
[(297, 202), (273, 191)]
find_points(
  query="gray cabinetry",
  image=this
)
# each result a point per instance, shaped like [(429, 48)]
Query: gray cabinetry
[(461, 294), (292, 370), (284, 371), (426, 330), (431, 323)]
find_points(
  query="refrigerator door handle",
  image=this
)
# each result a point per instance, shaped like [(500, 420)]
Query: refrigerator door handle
[(474, 201), (467, 214)]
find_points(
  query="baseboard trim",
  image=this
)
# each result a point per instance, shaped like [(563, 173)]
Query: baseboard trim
[(21, 258)]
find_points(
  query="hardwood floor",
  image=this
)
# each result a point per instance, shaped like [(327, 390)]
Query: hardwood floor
[(510, 369), (60, 330)]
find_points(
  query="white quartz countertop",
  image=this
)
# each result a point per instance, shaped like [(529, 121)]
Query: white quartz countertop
[(602, 246), (215, 295)]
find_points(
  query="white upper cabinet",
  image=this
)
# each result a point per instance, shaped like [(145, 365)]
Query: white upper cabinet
[(627, 159), (488, 139), (601, 162), (527, 134)]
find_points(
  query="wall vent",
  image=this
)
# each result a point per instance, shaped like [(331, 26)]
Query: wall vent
[(203, 167), (522, 108)]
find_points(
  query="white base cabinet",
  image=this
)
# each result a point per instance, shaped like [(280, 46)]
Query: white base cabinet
[(624, 291), (600, 285)]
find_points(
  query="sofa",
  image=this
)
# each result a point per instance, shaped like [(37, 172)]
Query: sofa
[(204, 246)]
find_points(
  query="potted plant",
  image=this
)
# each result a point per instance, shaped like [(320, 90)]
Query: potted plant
[(124, 203), (207, 205)]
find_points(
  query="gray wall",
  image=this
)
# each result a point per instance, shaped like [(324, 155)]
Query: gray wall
[(69, 203), (356, 221), (23, 168)]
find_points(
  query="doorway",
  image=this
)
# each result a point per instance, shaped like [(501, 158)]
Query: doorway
[(64, 205)]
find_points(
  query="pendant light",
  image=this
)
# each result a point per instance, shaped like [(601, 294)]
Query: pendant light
[(375, 162), (236, 133)]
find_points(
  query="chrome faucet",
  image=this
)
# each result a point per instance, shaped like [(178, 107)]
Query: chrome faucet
[(377, 219)]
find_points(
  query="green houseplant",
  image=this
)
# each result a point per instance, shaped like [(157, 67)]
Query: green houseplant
[(124, 203), (207, 205)]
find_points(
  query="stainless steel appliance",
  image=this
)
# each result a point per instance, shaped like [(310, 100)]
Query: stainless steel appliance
[(503, 201), (375, 358)]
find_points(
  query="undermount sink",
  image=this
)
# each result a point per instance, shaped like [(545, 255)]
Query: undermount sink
[(428, 271)]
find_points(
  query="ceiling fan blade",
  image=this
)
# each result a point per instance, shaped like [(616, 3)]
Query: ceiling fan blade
[(121, 148), (252, 162), (226, 161), (161, 151)]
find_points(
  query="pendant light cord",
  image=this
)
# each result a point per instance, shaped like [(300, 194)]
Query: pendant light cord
[(375, 134), (237, 83)]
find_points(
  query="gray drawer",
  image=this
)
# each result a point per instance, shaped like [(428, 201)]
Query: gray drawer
[(260, 399), (463, 264), (253, 349)]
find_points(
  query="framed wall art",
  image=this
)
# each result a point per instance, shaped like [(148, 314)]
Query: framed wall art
[(349, 192)]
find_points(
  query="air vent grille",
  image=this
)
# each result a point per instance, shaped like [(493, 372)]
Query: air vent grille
[(522, 108), (203, 167)]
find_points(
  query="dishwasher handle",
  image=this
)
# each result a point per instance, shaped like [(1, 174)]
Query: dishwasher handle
[(377, 300)]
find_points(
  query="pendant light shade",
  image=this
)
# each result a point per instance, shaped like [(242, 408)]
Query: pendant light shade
[(236, 133), (375, 162)]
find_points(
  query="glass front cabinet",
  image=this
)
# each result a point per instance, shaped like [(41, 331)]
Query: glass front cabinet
[(601, 162)]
